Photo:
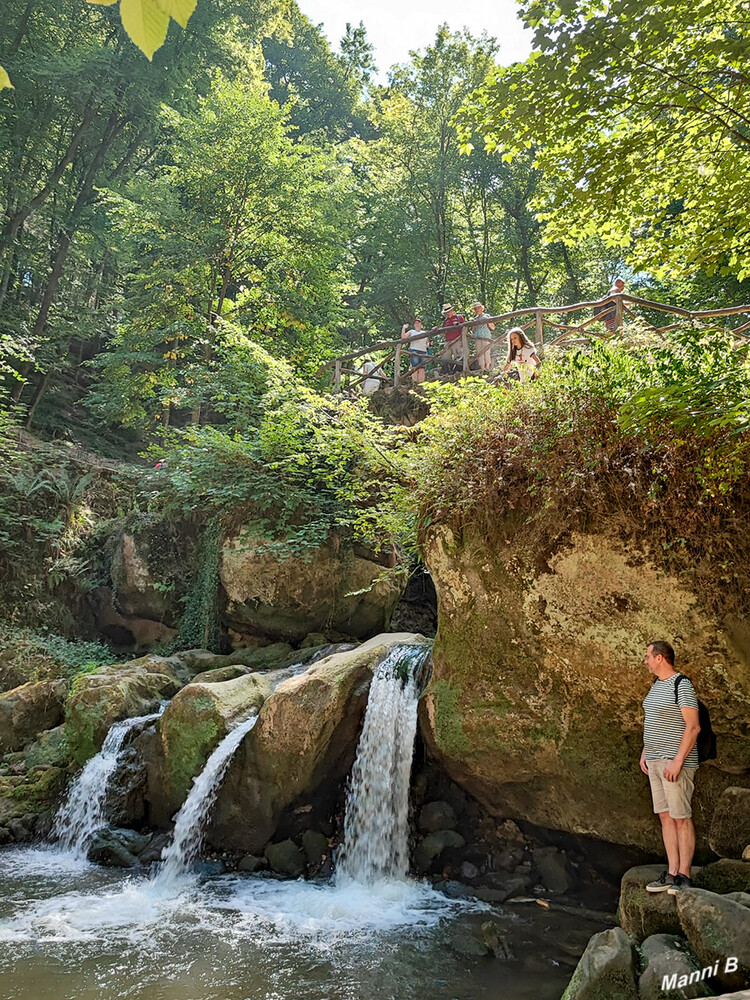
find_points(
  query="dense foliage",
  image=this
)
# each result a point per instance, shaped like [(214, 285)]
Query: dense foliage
[(640, 112)]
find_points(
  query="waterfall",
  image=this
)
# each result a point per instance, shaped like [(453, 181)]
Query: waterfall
[(191, 821), (376, 824), (84, 810)]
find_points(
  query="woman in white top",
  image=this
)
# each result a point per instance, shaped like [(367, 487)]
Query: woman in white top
[(523, 352)]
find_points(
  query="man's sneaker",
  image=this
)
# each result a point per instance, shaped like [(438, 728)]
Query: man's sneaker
[(664, 883), (680, 882)]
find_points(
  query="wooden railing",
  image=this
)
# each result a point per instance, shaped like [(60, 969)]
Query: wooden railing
[(392, 365)]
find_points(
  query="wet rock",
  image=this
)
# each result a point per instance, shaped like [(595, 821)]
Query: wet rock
[(252, 863), (667, 955), (730, 826), (28, 709), (315, 846), (153, 850), (724, 876), (49, 748), (19, 831), (468, 871), (6, 837), (494, 938), (333, 589), (468, 942), (117, 848), (553, 870), (302, 746), (432, 846), (436, 816), (643, 913), (117, 691), (717, 928), (208, 869), (606, 970), (285, 858), (500, 886)]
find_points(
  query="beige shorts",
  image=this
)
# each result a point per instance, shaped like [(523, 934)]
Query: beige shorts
[(671, 796)]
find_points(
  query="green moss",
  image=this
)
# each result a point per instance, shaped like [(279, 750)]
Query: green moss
[(189, 748), (724, 876), (449, 732), (81, 725)]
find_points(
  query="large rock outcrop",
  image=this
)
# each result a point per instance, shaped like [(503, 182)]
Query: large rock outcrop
[(114, 692), (535, 702), (337, 589), (302, 746)]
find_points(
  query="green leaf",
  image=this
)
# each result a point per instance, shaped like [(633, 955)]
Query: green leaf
[(146, 23), (180, 10)]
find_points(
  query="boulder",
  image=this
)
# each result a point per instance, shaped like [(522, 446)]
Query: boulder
[(252, 863), (49, 748), (29, 709), (316, 846), (436, 816), (432, 846), (553, 869), (717, 929), (724, 876), (333, 589), (285, 858), (36, 792), (667, 955), (743, 898), (302, 747), (146, 559), (642, 913), (117, 848), (606, 970), (730, 827), (117, 691), (220, 674), (193, 724), (543, 722)]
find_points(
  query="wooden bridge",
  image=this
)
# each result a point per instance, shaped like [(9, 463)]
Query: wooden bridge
[(551, 325)]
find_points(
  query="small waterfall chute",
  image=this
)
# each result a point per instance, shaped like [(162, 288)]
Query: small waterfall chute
[(376, 823), (84, 811), (192, 819)]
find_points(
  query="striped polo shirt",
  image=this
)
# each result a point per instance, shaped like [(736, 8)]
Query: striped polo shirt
[(664, 725)]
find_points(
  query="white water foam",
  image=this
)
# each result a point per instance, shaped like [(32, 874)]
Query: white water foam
[(376, 824), (192, 818), (84, 810)]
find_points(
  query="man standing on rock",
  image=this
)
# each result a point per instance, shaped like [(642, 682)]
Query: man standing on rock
[(670, 759)]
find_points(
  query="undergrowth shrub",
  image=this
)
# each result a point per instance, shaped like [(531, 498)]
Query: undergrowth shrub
[(648, 437)]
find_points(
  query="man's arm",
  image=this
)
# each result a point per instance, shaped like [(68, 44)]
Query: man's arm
[(642, 761), (692, 728)]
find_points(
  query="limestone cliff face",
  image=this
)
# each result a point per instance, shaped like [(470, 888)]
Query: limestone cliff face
[(535, 701)]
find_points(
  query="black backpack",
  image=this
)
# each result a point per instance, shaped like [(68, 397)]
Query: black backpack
[(706, 742)]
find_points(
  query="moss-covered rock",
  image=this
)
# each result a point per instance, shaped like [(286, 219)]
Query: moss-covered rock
[(337, 589), (114, 692), (543, 720), (29, 709), (730, 826), (606, 970), (724, 876), (302, 745), (36, 793), (717, 928), (193, 724), (643, 914), (50, 747)]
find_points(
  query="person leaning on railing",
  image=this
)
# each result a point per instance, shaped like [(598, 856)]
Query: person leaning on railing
[(523, 353), (418, 349)]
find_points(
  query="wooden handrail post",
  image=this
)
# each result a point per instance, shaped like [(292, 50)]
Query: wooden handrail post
[(539, 317), (397, 367), (618, 313), (465, 348), (337, 376)]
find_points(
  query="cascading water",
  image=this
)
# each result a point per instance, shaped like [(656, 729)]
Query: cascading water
[(192, 818), (84, 810), (376, 828)]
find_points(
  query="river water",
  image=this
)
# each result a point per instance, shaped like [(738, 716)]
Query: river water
[(70, 930)]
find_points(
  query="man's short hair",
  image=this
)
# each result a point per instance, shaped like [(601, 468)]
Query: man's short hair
[(661, 648)]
